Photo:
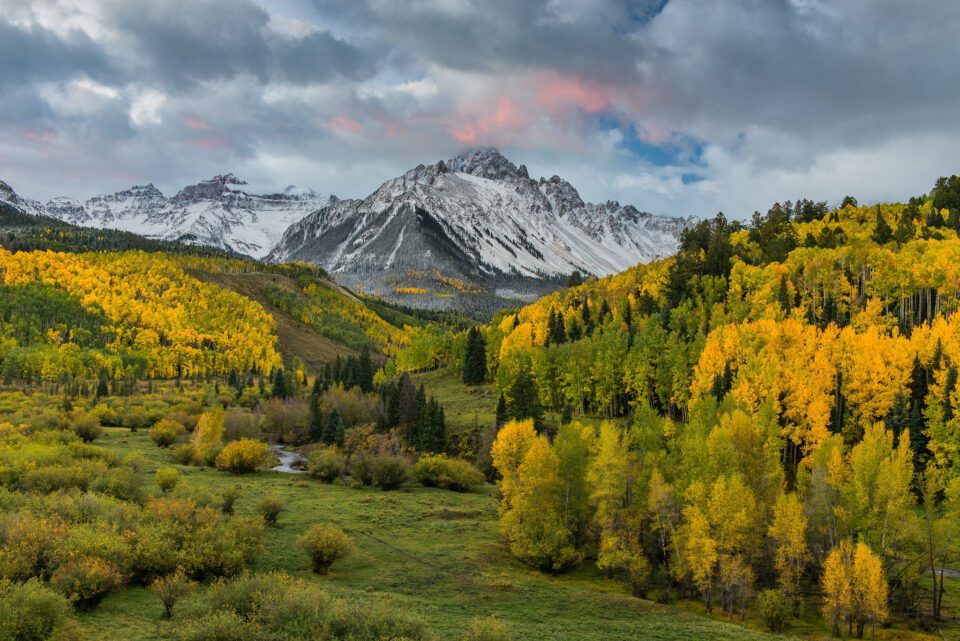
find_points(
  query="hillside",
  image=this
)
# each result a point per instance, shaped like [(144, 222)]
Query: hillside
[(795, 372)]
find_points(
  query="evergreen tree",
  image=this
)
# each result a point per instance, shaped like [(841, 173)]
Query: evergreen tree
[(585, 316), (316, 419), (783, 296), (524, 399), (365, 370), (560, 329), (949, 387), (551, 328), (899, 416), (604, 312), (475, 358), (566, 415), (502, 415), (279, 389), (882, 234), (575, 279), (574, 331), (333, 431)]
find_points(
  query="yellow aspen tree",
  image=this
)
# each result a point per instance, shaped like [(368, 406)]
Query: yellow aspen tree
[(618, 510), (508, 451), (789, 532), (868, 603), (836, 585), (535, 523)]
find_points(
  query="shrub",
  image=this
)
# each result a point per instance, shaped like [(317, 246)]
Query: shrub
[(241, 423), (389, 472), (184, 454), (325, 544), (219, 626), (774, 608), (361, 469), (326, 464), (488, 629), (32, 612), (167, 478), (243, 456), (449, 473), (228, 497), (87, 581), (170, 589), (135, 419), (87, 427), (166, 432), (270, 506)]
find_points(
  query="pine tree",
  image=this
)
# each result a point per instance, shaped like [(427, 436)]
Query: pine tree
[(949, 387), (524, 399), (604, 312), (502, 414), (585, 316), (365, 370), (102, 390), (898, 418), (475, 358), (551, 328), (783, 296), (574, 331), (333, 431), (316, 419), (560, 329), (882, 234), (279, 389)]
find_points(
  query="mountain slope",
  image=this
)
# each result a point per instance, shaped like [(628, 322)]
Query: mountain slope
[(477, 221), (223, 212)]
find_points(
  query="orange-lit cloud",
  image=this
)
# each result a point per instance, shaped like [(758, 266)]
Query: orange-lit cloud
[(556, 92), (345, 123), (193, 122), (39, 136), (485, 125)]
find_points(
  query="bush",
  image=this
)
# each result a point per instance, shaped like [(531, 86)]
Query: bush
[(32, 612), (228, 497), (448, 473), (488, 629), (774, 608), (166, 432), (325, 544), (361, 469), (325, 464), (87, 581), (389, 472), (167, 478), (270, 506), (219, 626), (87, 427), (244, 456), (170, 589), (184, 454)]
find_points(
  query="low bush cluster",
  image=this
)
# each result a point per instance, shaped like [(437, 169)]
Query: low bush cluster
[(438, 470)]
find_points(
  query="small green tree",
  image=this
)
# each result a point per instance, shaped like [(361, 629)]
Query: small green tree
[(170, 589), (325, 544)]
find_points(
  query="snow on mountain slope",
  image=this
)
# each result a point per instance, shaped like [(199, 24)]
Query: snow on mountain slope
[(479, 218), (222, 212)]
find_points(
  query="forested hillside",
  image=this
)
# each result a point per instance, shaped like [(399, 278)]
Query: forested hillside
[(780, 401)]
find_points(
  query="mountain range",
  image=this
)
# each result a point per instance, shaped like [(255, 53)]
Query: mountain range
[(474, 226)]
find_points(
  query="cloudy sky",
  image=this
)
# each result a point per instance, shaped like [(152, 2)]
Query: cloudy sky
[(676, 106)]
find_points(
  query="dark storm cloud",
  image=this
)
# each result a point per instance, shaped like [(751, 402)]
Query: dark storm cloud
[(34, 54), (781, 98), (183, 43)]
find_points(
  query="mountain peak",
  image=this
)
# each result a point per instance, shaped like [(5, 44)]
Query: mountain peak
[(485, 162), (211, 189)]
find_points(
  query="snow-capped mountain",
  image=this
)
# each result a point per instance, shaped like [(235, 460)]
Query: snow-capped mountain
[(222, 212), (478, 218)]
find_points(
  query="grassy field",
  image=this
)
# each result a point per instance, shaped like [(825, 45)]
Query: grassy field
[(435, 555)]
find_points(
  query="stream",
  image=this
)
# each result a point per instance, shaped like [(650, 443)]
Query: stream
[(289, 460)]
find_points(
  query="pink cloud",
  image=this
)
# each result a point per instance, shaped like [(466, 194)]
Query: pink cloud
[(484, 125), (39, 136), (556, 92), (213, 142), (345, 123), (193, 122)]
